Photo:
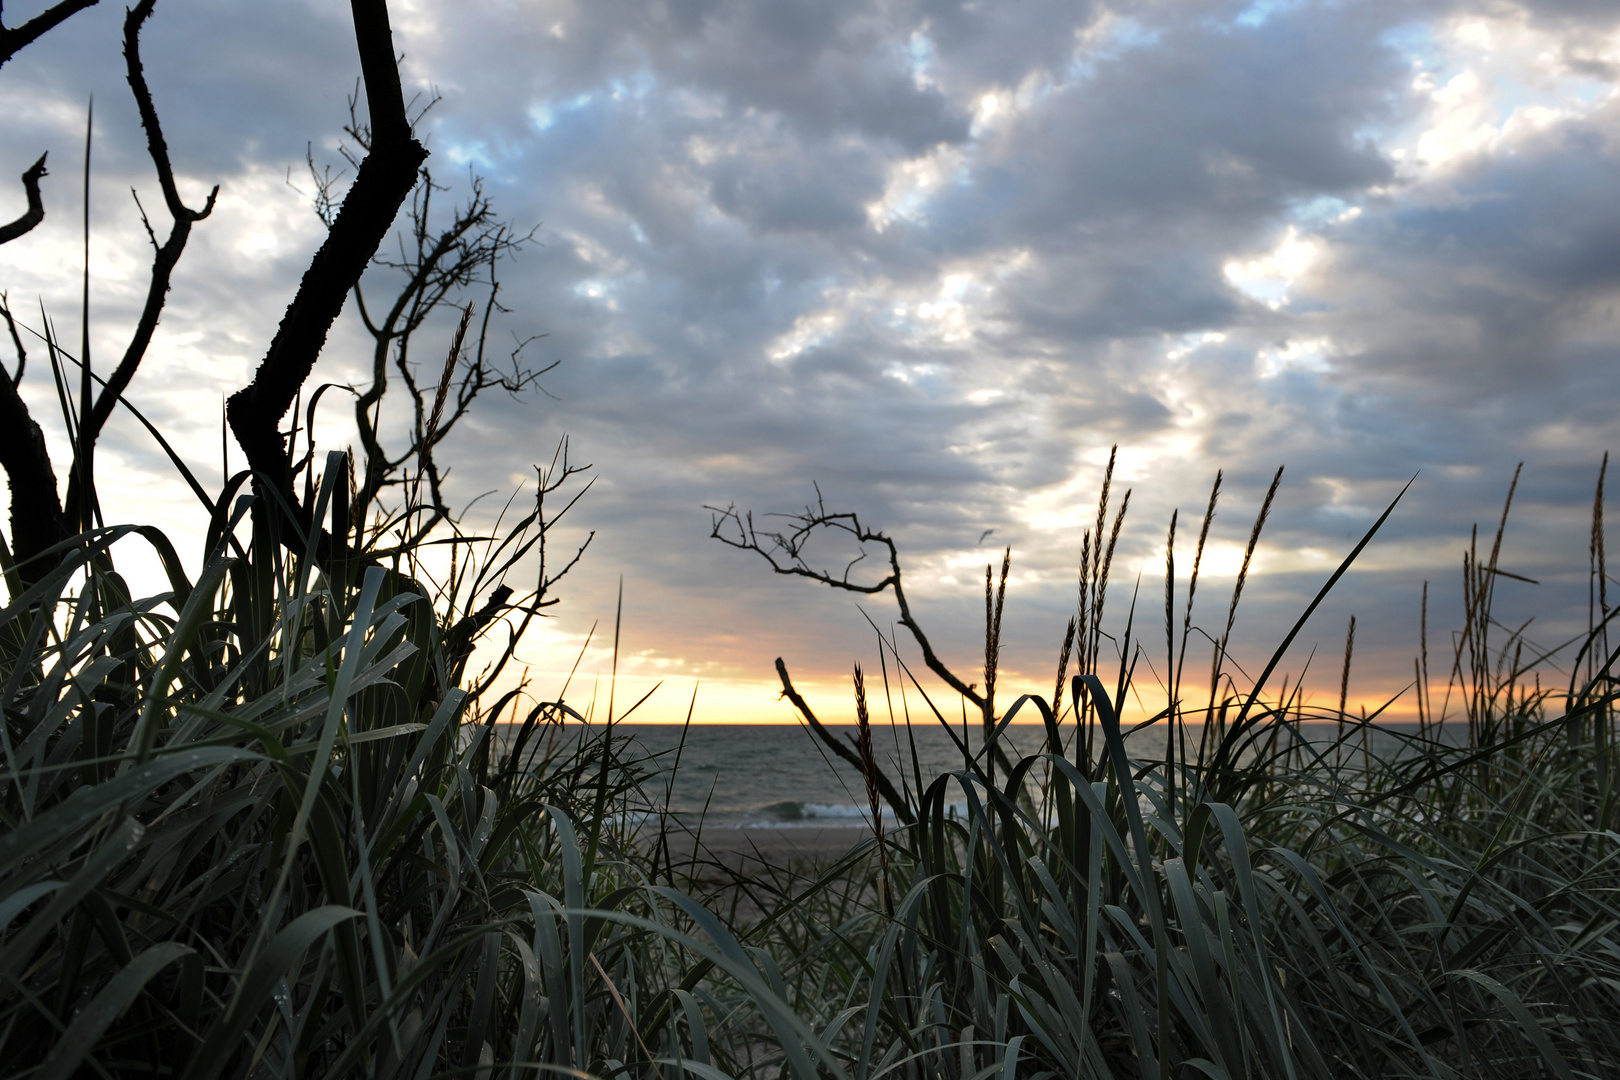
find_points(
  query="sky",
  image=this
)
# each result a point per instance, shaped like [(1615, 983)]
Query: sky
[(933, 260)]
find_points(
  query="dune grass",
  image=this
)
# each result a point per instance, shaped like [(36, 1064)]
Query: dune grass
[(1266, 896), (254, 828), (264, 824)]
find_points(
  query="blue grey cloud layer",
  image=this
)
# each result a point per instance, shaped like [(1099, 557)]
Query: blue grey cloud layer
[(939, 256)]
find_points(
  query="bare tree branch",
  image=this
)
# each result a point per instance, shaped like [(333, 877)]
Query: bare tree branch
[(382, 182), (13, 41), (16, 339), (438, 266), (156, 146), (483, 567), (890, 794), (786, 554), (166, 257), (36, 512), (36, 206)]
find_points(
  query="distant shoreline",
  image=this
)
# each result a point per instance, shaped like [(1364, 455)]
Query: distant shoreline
[(973, 726)]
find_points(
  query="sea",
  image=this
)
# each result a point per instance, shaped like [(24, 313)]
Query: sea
[(780, 776), (774, 776)]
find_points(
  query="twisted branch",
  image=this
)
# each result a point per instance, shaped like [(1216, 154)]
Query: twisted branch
[(36, 206), (885, 787), (13, 41), (166, 256), (381, 184), (785, 552)]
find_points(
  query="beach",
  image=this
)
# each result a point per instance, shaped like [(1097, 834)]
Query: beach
[(746, 873), (801, 846)]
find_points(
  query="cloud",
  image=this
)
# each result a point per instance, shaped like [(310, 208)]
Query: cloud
[(937, 257)]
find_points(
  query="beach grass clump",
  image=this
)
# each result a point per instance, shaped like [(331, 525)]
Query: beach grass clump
[(253, 827), (266, 823), (1245, 885), (269, 822), (1445, 911), (257, 826)]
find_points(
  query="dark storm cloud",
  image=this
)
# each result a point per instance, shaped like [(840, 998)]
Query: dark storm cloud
[(1206, 120), (235, 83), (979, 43), (939, 255), (1592, 13), (1137, 182), (1516, 262), (827, 67), (786, 186)]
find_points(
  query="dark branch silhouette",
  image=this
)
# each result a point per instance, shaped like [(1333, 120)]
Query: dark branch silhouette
[(36, 511), (397, 503), (891, 794), (437, 264), (16, 339), (13, 41), (786, 553), (381, 185), (166, 257), (36, 205), (39, 518)]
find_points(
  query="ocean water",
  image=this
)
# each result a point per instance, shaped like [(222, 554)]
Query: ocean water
[(781, 776)]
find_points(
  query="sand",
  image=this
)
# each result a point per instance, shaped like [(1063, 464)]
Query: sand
[(746, 873), (799, 846)]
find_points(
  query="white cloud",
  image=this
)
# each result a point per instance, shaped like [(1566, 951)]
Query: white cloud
[(1268, 277), (938, 261), (1308, 354)]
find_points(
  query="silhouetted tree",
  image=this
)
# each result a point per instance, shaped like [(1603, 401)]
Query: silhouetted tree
[(437, 265)]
